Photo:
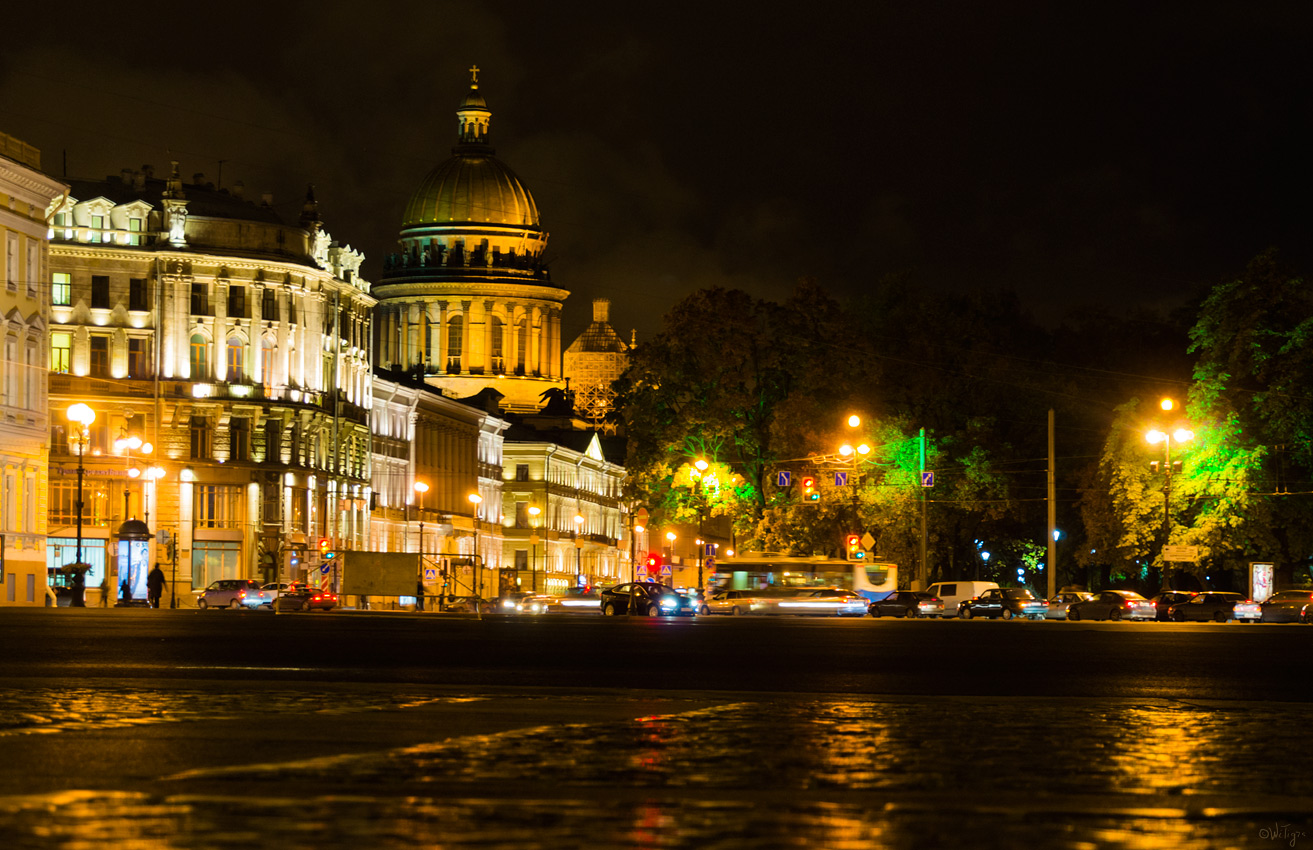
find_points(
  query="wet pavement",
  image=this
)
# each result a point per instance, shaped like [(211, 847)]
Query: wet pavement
[(259, 765)]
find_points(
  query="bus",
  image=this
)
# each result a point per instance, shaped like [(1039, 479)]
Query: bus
[(767, 571)]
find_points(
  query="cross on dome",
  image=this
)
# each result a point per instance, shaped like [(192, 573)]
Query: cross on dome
[(474, 76)]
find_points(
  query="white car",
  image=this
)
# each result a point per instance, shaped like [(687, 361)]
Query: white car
[(1059, 604), (832, 601)]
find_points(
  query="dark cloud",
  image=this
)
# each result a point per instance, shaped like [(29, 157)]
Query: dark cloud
[(1071, 152)]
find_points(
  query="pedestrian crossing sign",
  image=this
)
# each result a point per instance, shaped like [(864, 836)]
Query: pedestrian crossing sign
[(430, 573), (666, 571)]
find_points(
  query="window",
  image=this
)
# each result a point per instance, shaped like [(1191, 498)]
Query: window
[(498, 345), (212, 560), (100, 292), (137, 358), (521, 514), (273, 441), (61, 351), (200, 438), (239, 438), (11, 263), (269, 304), (33, 265), (236, 359), (521, 559), (291, 311), (199, 360), (9, 372), (99, 357), (237, 302), (200, 299), (61, 289), (134, 231), (97, 225), (267, 362), (138, 297), (455, 340), (521, 346), (521, 472)]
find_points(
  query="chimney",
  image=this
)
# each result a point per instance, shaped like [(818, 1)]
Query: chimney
[(267, 199), (139, 180), (601, 309), (239, 190), (125, 177), (198, 178)]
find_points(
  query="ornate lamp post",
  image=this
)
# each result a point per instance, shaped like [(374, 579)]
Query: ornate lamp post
[(670, 547), (534, 510), (421, 488), (855, 454), (475, 500), (128, 443), (82, 416), (1180, 435), (578, 557)]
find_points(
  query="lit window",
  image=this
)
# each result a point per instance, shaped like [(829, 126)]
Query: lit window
[(199, 360), (236, 359), (61, 351), (61, 289), (134, 231)]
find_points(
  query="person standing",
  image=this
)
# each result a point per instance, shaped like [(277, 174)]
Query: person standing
[(104, 591), (155, 586)]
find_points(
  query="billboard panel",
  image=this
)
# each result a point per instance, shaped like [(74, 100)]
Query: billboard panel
[(379, 573)]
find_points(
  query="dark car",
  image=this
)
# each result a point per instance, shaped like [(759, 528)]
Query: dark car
[(907, 603), (1166, 599), (646, 599), (1209, 605), (1289, 606), (468, 605), (1005, 602), (1113, 605)]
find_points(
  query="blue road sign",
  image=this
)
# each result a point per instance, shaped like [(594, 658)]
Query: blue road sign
[(430, 574), (927, 478), (783, 479), (840, 479), (666, 571)]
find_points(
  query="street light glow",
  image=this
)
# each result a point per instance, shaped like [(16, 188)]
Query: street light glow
[(670, 535), (863, 449), (534, 510), (81, 413), (1167, 404), (1155, 436), (421, 488), (475, 498), (1183, 435), (854, 421), (701, 465), (845, 450), (638, 529)]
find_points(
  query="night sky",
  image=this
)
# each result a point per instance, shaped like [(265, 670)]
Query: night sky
[(1074, 153)]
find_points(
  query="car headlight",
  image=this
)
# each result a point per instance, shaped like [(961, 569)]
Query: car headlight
[(669, 602)]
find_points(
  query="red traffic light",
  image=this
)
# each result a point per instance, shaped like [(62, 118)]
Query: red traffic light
[(808, 483), (853, 540)]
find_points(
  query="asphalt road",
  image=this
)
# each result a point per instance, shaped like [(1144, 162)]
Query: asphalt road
[(215, 729), (760, 654)]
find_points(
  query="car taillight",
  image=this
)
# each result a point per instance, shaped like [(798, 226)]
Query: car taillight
[(241, 594)]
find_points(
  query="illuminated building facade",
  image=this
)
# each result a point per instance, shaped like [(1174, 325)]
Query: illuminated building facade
[(593, 362), (468, 302), (232, 344), (452, 449), (25, 194)]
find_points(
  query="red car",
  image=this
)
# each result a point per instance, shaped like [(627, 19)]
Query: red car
[(299, 596)]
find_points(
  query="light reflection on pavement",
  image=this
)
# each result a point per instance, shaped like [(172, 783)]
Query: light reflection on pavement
[(751, 771)]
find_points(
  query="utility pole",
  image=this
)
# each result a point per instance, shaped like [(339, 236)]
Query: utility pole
[(925, 567)]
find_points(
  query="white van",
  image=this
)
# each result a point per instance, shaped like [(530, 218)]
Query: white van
[(955, 593)]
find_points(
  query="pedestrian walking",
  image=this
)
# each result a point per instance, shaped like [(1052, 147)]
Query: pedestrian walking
[(104, 591), (419, 595), (155, 586)]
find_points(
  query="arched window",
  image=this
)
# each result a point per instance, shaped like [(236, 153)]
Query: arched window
[(267, 362), (498, 362), (455, 340), (521, 346), (199, 358), (236, 359)]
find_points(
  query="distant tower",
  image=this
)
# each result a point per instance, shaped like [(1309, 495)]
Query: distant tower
[(468, 303), (594, 361)]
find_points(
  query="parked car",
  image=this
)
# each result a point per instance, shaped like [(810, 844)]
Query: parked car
[(298, 596), (1288, 606), (1209, 605), (954, 593), (577, 600), (646, 598), (232, 593), (1059, 604), (1005, 602), (1113, 605), (1166, 599), (907, 603), (833, 601)]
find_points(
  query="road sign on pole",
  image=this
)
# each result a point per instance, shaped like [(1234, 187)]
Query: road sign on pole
[(841, 479), (783, 479), (927, 478)]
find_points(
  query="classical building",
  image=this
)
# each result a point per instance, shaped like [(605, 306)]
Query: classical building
[(452, 450), (593, 362), (25, 194), (226, 355), (565, 521), (468, 302)]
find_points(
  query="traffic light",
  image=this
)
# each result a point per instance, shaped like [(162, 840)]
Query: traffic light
[(855, 550), (291, 560), (654, 563), (324, 548), (809, 491)]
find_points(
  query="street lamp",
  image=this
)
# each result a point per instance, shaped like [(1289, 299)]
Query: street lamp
[(82, 416), (670, 547), (855, 454), (633, 551), (127, 444), (534, 510), (1154, 436), (421, 488), (475, 500), (578, 556)]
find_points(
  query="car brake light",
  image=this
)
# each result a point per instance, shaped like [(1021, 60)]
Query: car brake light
[(241, 594)]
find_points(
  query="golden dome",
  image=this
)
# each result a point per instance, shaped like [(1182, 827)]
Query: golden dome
[(473, 187)]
